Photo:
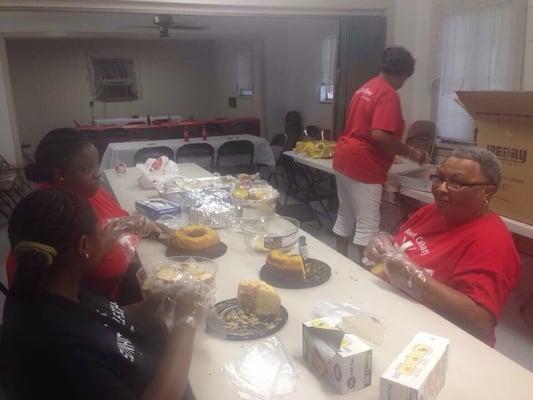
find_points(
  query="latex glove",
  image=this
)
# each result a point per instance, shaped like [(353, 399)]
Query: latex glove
[(136, 224), (405, 274), (381, 245)]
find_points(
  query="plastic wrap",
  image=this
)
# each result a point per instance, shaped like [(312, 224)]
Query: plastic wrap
[(178, 184), (406, 275), (156, 171), (381, 244), (211, 207), (352, 319), (187, 283), (399, 269), (266, 371), (135, 224), (257, 194)]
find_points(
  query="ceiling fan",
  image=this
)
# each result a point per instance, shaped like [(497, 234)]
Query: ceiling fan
[(165, 22)]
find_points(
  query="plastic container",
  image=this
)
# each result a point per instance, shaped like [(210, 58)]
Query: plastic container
[(189, 271), (270, 232)]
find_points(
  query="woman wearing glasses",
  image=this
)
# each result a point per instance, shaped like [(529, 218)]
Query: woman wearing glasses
[(455, 255)]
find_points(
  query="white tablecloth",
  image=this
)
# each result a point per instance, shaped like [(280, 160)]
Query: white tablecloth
[(475, 371), (125, 121), (124, 152), (391, 185)]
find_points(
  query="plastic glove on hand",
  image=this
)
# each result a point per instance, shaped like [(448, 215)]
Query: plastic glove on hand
[(406, 275), (381, 245)]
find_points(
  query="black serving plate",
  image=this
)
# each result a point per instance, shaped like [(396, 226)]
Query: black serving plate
[(232, 323), (211, 253), (319, 272)]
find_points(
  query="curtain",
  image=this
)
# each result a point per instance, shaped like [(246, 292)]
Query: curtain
[(480, 47), (361, 42)]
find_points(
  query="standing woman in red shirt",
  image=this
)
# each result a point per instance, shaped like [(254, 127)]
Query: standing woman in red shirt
[(65, 160), (366, 149)]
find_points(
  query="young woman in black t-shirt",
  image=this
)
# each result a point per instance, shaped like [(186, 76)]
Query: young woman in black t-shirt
[(62, 341)]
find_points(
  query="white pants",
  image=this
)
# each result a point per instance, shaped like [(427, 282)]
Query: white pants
[(358, 208)]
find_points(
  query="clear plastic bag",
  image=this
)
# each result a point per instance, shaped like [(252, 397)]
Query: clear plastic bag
[(353, 320), (399, 269), (186, 283), (266, 371), (133, 224), (257, 194)]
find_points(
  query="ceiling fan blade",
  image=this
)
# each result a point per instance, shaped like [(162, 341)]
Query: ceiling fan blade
[(140, 27), (188, 27)]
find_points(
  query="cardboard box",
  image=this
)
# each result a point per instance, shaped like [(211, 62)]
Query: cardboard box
[(418, 372), (504, 125), (156, 208), (344, 359)]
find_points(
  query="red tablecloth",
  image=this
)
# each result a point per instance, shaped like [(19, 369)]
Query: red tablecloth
[(227, 126)]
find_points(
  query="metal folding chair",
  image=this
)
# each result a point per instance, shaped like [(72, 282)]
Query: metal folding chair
[(152, 152), (243, 149), (196, 152)]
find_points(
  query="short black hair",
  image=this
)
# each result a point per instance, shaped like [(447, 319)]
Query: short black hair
[(50, 217), (397, 61), (56, 150)]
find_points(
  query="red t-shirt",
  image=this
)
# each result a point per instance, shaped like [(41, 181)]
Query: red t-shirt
[(376, 105), (108, 275), (477, 258)]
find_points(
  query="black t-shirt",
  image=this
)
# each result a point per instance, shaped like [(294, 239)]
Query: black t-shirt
[(53, 347)]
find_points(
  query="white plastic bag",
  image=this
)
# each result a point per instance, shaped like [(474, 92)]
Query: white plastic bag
[(264, 372), (156, 171)]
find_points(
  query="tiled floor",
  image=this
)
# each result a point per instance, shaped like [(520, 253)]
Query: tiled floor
[(514, 336)]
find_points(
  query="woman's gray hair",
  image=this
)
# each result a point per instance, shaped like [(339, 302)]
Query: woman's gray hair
[(488, 162)]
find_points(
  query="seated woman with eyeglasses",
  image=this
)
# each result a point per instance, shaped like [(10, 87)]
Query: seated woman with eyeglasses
[(455, 255), (61, 340)]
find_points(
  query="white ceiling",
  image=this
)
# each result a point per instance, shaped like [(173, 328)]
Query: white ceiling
[(89, 24)]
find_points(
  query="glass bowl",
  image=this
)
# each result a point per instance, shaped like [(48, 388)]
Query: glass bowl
[(270, 232)]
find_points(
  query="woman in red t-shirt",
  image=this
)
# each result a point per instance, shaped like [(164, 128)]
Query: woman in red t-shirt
[(366, 149), (65, 160), (455, 255)]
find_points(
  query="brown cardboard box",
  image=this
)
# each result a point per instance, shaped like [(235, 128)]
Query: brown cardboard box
[(504, 125)]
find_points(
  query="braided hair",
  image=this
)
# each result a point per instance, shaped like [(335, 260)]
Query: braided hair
[(56, 150), (50, 218), (397, 61)]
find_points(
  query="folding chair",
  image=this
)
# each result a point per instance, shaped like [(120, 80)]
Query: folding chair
[(152, 152), (241, 149), (196, 152)]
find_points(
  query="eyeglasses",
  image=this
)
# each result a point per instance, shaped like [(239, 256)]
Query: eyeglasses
[(437, 180)]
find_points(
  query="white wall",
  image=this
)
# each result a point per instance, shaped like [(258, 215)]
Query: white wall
[(10, 148), (224, 77), (292, 72), (412, 30), (304, 39), (51, 81)]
